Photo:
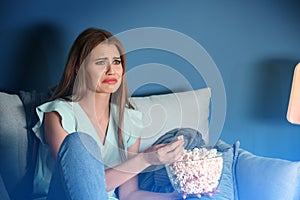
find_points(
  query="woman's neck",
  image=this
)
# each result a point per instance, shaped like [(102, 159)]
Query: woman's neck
[(96, 104), (97, 108)]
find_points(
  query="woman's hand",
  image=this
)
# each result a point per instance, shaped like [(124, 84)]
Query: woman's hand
[(164, 153)]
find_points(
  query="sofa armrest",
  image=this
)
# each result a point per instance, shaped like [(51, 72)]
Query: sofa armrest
[(13, 143), (263, 178)]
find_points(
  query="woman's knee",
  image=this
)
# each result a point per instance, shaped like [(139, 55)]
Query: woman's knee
[(80, 143)]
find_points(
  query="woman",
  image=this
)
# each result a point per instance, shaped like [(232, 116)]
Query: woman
[(90, 115)]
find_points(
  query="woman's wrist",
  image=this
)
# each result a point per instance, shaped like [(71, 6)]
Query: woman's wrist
[(143, 159)]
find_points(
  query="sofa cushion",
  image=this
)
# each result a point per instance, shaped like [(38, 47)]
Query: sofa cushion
[(162, 113), (264, 178), (226, 184), (13, 141)]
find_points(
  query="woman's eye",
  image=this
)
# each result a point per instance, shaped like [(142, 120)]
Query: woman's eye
[(101, 62), (117, 62)]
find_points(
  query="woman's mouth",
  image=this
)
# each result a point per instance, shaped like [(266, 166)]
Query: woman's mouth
[(110, 81)]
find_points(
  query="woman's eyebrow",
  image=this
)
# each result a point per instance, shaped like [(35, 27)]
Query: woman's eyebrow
[(106, 58), (102, 58)]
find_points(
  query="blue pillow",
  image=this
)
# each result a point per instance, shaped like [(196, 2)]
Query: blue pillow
[(267, 178), (226, 183)]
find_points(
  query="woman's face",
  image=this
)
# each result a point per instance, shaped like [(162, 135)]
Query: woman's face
[(104, 69)]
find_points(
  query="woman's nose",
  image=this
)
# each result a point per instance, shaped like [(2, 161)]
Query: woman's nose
[(109, 68)]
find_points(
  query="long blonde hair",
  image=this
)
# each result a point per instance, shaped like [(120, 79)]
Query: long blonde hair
[(80, 50)]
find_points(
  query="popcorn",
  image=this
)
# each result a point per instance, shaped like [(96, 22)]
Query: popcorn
[(197, 172)]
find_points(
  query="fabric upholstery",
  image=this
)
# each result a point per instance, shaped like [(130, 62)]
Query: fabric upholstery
[(13, 142), (264, 178), (226, 185)]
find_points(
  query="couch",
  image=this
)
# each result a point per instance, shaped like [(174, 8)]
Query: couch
[(245, 175)]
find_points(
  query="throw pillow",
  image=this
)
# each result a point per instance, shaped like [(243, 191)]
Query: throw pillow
[(162, 113), (264, 178), (13, 140), (226, 184)]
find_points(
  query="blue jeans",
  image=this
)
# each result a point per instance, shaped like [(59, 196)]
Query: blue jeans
[(79, 171)]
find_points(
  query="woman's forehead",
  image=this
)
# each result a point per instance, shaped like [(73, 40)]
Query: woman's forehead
[(105, 50)]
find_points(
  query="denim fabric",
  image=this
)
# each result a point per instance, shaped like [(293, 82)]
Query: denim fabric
[(79, 171)]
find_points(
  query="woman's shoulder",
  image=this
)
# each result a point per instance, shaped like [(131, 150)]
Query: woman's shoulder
[(63, 108), (55, 105)]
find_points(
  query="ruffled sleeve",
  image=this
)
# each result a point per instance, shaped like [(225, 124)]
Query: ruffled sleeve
[(63, 108)]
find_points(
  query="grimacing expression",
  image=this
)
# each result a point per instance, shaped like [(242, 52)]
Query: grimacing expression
[(104, 69)]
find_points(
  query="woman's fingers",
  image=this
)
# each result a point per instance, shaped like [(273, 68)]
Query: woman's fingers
[(178, 152), (159, 146), (164, 153), (174, 145), (171, 152)]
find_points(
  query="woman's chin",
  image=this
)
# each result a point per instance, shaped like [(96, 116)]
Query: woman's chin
[(108, 90)]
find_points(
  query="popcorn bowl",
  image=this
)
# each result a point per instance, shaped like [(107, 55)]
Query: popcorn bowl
[(197, 173)]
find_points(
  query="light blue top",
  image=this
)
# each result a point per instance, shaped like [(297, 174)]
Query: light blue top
[(74, 119)]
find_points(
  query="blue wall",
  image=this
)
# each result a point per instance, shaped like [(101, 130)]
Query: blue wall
[(254, 44)]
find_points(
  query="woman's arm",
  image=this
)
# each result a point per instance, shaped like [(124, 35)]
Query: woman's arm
[(160, 153), (54, 132), (137, 162), (120, 174)]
